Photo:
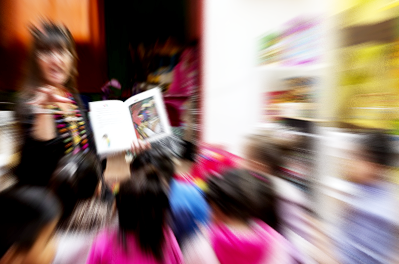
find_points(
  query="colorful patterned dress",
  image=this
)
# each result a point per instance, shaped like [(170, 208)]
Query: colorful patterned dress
[(71, 128)]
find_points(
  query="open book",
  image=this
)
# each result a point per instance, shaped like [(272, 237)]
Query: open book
[(116, 124)]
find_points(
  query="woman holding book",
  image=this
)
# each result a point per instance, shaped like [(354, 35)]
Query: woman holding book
[(50, 110)]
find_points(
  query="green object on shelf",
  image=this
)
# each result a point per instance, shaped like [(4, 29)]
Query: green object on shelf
[(395, 125), (267, 41)]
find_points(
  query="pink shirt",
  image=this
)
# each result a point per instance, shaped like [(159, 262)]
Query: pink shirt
[(250, 246), (107, 249), (222, 245)]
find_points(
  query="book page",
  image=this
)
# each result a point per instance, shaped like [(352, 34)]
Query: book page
[(148, 115), (112, 127)]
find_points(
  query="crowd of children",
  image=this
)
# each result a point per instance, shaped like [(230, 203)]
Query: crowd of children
[(153, 218), (156, 218)]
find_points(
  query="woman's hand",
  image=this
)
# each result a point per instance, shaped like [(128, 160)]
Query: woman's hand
[(48, 95), (140, 146), (44, 126)]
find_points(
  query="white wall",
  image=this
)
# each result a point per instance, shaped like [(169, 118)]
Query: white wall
[(232, 87)]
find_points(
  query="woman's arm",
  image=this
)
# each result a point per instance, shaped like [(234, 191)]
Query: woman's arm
[(43, 127), (40, 148)]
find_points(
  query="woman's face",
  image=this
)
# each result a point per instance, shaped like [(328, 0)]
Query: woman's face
[(56, 65)]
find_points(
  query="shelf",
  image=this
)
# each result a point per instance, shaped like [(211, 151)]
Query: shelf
[(291, 191), (315, 120), (293, 110), (277, 66), (302, 183), (273, 126), (291, 173)]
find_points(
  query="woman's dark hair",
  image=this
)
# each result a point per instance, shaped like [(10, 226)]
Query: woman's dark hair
[(376, 147), (233, 193), (159, 157), (75, 179), (49, 36), (142, 205), (25, 212)]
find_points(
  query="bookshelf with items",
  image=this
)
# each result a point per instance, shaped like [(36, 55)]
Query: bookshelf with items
[(366, 98), (359, 92), (9, 139), (291, 71)]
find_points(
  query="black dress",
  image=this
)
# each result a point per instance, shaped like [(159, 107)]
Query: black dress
[(39, 158)]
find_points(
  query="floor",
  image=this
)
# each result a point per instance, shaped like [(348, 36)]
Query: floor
[(118, 169)]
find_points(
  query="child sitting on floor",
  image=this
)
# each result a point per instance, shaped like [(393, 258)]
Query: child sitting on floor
[(27, 224), (142, 235), (235, 235)]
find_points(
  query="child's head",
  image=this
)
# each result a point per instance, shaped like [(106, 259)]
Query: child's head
[(27, 223), (75, 179), (231, 195), (261, 154), (159, 157), (370, 155), (142, 205)]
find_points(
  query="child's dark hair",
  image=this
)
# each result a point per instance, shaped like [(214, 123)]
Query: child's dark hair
[(142, 205), (75, 179), (261, 150), (25, 212), (265, 200), (376, 147), (233, 193), (158, 156)]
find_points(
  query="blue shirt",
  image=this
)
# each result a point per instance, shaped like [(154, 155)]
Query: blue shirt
[(189, 208)]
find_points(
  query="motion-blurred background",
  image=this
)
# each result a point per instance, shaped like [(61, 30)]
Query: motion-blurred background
[(305, 75)]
